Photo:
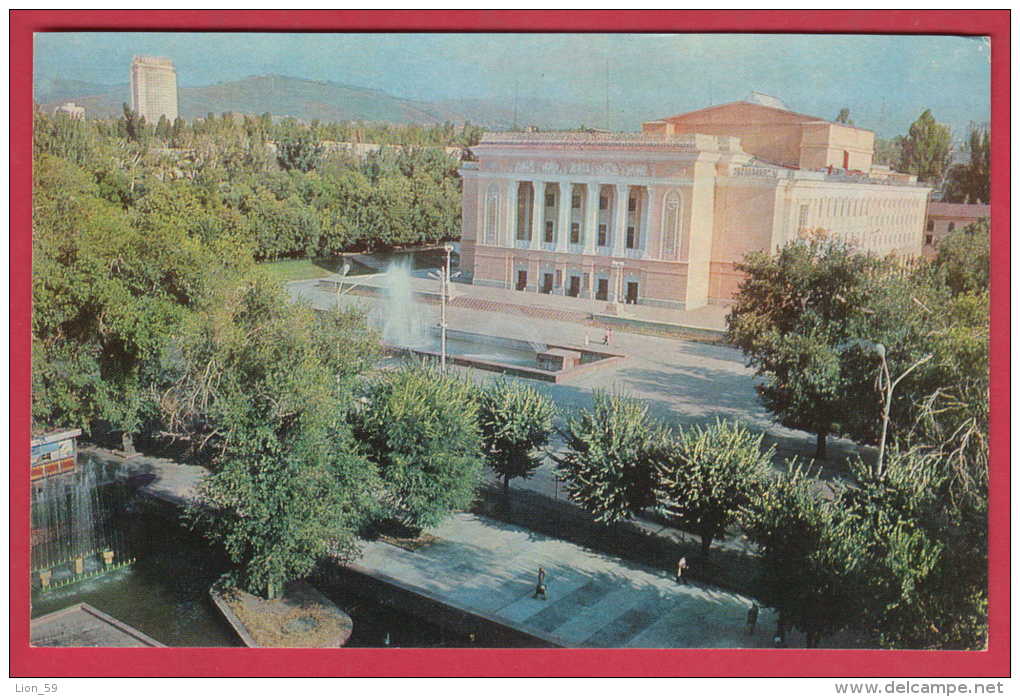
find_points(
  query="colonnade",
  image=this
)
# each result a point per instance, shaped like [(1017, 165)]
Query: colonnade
[(610, 219)]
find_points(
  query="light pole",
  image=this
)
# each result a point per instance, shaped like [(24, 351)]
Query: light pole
[(344, 270), (444, 292), (887, 385)]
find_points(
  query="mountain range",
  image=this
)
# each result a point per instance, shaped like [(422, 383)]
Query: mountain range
[(281, 96)]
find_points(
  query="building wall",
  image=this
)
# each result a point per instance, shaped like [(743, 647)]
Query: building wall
[(832, 145), (701, 206), (154, 88), (769, 134)]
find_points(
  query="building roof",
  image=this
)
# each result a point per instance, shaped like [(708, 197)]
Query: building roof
[(84, 625), (969, 211), (802, 118)]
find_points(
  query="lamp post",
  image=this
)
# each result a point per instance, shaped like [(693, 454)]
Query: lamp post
[(344, 270), (444, 292), (887, 385)]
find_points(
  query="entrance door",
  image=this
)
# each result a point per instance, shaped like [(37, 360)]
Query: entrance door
[(522, 280), (575, 286), (547, 283), (632, 293), (602, 289)]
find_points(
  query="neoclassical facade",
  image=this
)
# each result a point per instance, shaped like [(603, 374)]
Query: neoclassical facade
[(660, 217)]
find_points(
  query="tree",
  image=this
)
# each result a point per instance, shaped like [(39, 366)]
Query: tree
[(808, 585), (844, 117), (609, 460), (278, 512), (420, 427), (790, 318), (926, 149), (922, 564), (301, 152), (963, 258), (107, 297), (516, 421), (971, 182), (260, 392), (706, 475), (251, 368)]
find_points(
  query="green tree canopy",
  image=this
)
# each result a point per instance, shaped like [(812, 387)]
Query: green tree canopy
[(420, 427), (925, 150), (971, 182), (516, 421), (803, 578), (792, 314), (609, 460), (707, 474)]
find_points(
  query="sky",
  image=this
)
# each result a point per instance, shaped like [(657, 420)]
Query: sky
[(886, 81)]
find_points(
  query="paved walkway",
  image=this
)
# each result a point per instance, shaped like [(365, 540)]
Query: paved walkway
[(594, 600), (565, 308)]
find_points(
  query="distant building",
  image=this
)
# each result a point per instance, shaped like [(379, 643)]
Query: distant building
[(154, 88), (662, 217), (944, 218), (71, 110)]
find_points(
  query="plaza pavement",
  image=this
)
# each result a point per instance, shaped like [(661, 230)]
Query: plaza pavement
[(594, 600), (682, 382)]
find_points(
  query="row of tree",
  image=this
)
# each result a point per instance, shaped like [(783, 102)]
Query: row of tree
[(298, 201)]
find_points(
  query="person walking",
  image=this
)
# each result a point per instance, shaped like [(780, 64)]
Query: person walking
[(540, 588), (752, 618), (681, 571)]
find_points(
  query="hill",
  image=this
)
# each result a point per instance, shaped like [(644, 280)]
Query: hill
[(327, 101), (277, 94)]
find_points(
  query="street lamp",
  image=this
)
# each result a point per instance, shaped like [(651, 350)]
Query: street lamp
[(886, 384), (344, 270), (444, 292)]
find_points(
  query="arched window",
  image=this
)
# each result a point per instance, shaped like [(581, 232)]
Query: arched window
[(672, 220), (491, 214)]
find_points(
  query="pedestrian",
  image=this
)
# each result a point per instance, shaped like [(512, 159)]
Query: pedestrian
[(752, 618), (540, 588), (681, 571), (610, 333), (605, 338)]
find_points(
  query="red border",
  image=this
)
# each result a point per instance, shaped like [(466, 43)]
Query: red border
[(32, 662)]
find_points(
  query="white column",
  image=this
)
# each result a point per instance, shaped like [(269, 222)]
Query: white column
[(620, 224), (591, 217), (566, 204), (510, 236), (646, 217), (538, 214)]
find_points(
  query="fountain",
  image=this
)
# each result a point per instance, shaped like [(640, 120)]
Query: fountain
[(72, 529), (402, 320)]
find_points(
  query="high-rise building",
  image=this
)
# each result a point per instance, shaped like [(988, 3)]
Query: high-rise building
[(154, 88)]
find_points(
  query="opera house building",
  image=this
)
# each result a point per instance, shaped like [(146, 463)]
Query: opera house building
[(661, 217)]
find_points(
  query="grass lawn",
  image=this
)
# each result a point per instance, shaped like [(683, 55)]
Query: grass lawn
[(304, 269)]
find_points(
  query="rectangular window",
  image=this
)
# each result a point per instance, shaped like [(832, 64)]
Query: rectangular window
[(550, 200), (603, 203), (575, 201), (802, 218), (602, 234), (931, 226), (548, 231), (575, 233), (632, 204), (631, 237)]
